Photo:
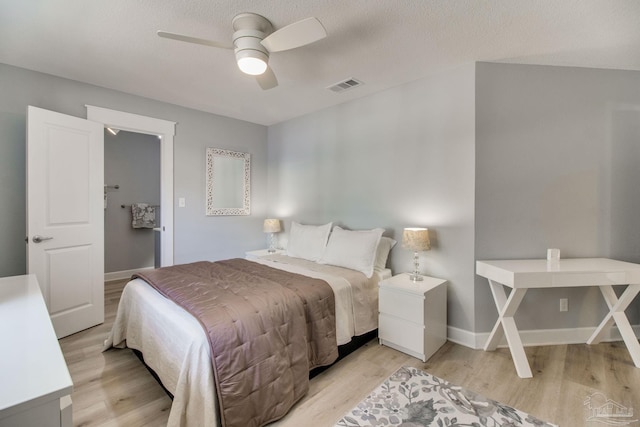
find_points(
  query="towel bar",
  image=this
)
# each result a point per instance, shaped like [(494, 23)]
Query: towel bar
[(128, 206)]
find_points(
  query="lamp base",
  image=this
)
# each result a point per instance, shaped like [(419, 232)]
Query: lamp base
[(272, 243), (415, 277)]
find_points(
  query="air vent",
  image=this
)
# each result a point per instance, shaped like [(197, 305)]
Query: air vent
[(344, 85)]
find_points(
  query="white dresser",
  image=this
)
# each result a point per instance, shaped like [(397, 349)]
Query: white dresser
[(35, 385), (413, 315)]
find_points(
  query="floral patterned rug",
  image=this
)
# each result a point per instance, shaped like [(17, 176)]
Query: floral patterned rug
[(413, 398)]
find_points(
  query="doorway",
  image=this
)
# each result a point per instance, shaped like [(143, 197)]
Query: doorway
[(131, 202), (165, 130)]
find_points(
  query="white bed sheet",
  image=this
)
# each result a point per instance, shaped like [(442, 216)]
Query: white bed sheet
[(175, 346)]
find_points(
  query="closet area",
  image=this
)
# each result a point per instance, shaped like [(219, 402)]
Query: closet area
[(132, 202)]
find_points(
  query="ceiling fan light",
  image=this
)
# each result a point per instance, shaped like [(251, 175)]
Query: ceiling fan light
[(252, 62), (252, 66)]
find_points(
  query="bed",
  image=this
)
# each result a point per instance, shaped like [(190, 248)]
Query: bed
[(175, 346)]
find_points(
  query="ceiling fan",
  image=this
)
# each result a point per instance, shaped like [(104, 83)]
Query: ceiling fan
[(254, 39)]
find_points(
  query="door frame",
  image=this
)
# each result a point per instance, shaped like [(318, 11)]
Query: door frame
[(165, 130)]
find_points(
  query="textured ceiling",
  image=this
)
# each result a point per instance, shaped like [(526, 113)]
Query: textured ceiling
[(383, 43)]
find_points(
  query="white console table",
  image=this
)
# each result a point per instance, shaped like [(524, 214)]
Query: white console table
[(36, 385), (521, 275)]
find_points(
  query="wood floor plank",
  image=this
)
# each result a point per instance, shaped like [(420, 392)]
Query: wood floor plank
[(114, 388)]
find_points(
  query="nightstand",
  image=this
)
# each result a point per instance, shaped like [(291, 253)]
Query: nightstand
[(413, 315), (262, 253)]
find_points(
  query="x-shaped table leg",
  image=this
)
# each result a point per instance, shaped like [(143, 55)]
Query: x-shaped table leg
[(506, 325), (616, 315)]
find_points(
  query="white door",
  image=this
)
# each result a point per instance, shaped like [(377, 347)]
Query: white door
[(65, 217)]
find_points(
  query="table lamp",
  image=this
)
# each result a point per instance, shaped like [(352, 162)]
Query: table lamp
[(417, 240), (271, 226)]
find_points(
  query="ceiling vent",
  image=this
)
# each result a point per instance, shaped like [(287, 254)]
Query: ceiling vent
[(344, 85)]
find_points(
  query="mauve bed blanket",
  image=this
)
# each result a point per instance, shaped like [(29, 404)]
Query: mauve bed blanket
[(266, 328)]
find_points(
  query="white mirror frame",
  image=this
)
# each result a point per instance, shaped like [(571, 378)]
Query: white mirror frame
[(246, 208)]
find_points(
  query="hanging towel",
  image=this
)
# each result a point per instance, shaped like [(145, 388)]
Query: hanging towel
[(143, 215)]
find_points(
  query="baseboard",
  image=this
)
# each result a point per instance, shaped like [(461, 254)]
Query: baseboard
[(462, 337), (535, 337), (125, 274)]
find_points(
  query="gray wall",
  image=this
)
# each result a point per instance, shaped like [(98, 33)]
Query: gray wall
[(131, 161), (557, 155), (196, 235), (499, 160), (518, 160), (403, 157)]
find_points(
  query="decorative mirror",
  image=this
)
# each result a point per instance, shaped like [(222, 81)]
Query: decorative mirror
[(228, 182)]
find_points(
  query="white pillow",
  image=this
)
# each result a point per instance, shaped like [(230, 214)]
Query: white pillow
[(307, 241), (352, 249), (384, 247)]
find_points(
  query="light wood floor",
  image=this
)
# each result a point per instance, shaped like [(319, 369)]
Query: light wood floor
[(113, 388)]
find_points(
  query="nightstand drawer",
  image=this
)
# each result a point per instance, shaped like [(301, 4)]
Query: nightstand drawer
[(401, 332), (403, 305)]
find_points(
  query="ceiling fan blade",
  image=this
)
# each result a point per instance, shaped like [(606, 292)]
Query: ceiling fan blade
[(295, 35), (189, 39), (267, 80)]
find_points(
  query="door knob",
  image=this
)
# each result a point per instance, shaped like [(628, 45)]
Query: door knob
[(39, 239)]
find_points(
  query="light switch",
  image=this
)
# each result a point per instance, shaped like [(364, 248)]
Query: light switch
[(181, 202)]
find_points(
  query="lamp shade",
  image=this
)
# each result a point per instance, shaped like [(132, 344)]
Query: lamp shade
[(271, 225), (416, 239)]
